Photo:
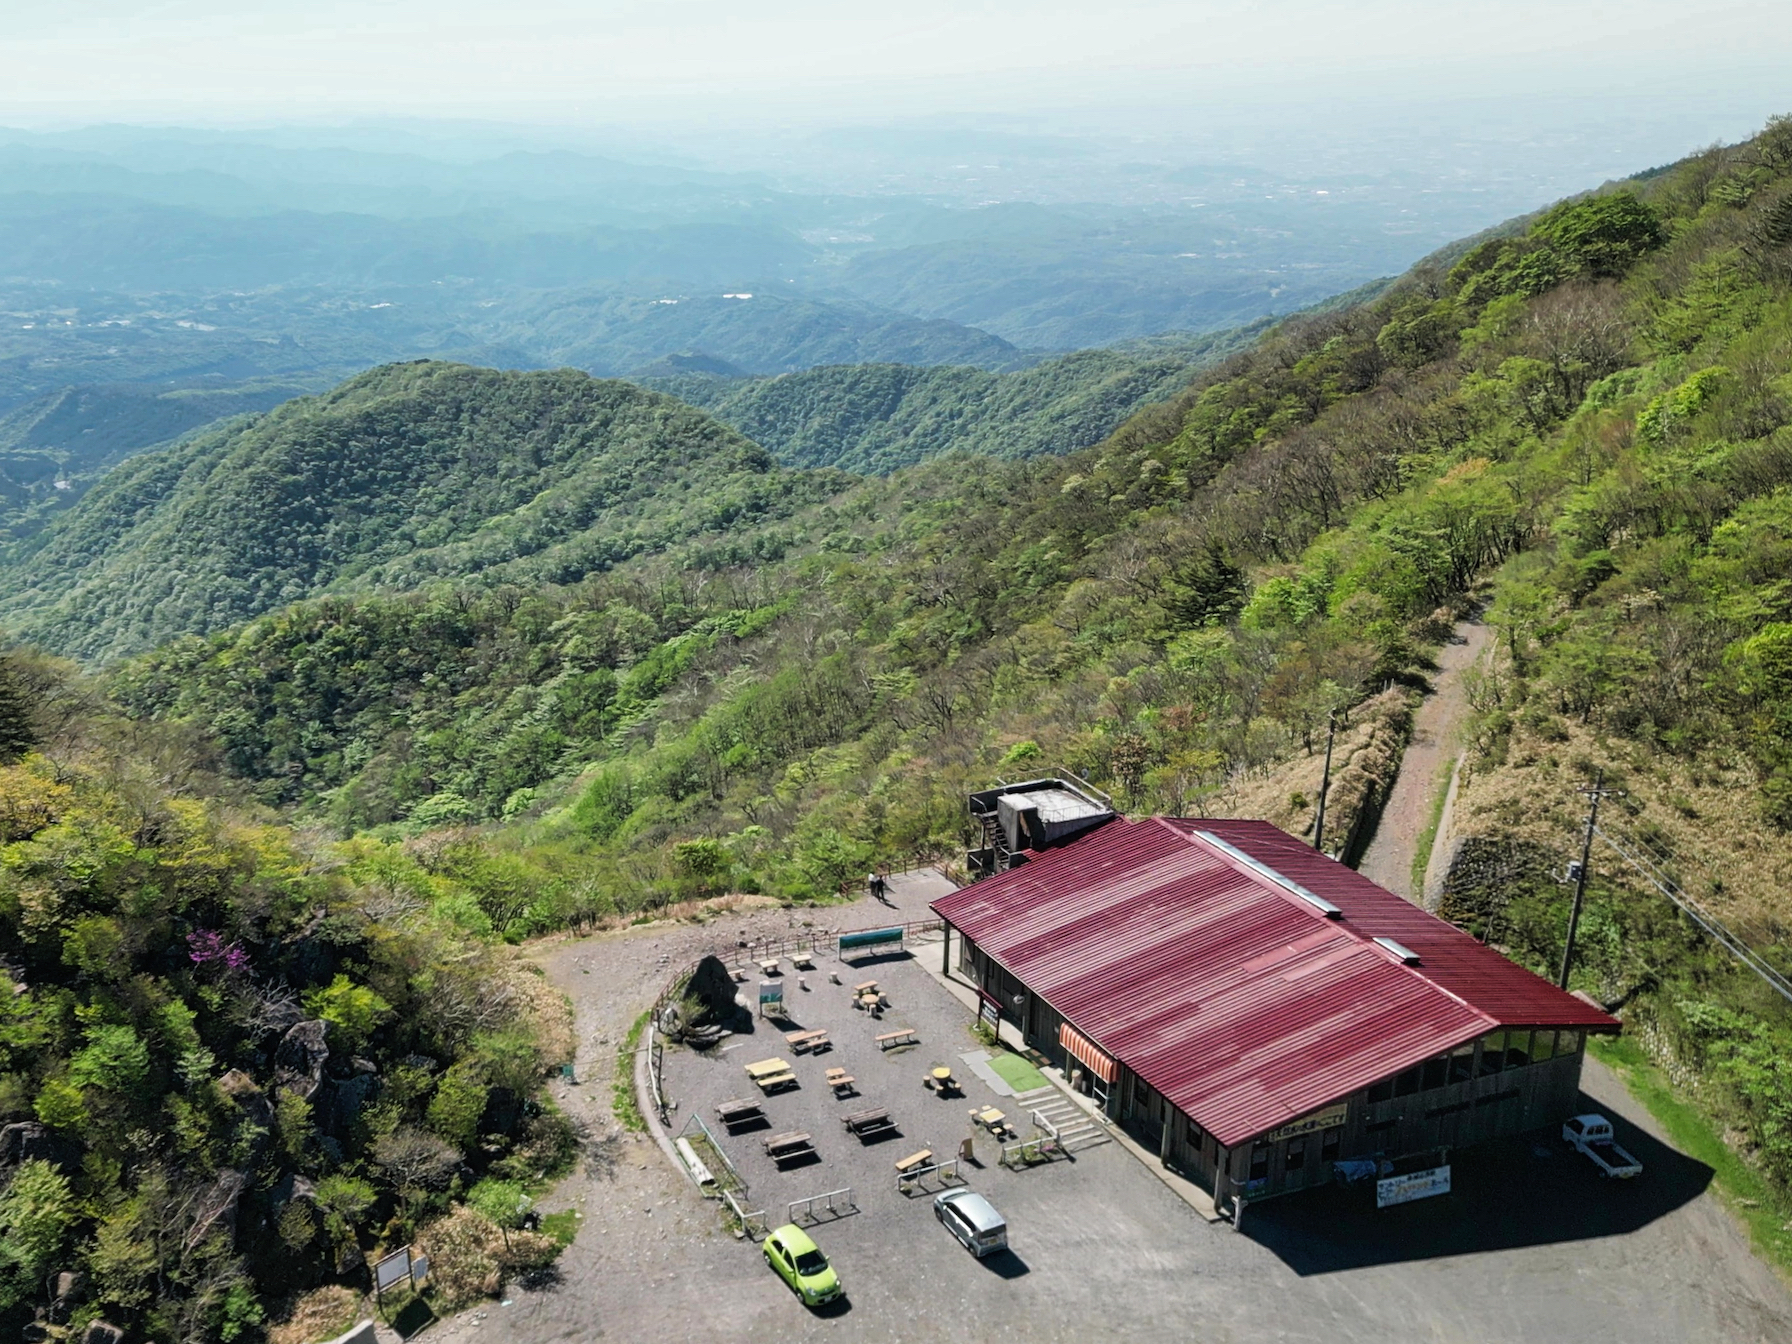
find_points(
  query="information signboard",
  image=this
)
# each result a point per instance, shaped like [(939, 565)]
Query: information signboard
[(771, 998), (866, 940), (1390, 1190), (1334, 1114), (393, 1270)]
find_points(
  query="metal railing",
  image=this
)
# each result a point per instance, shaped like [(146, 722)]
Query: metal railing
[(753, 1222), (945, 1172), (735, 1180), (839, 1204)]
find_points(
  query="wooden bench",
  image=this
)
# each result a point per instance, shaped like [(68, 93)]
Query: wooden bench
[(863, 986), (803, 961), (914, 1162), (839, 1079), (904, 1037), (739, 1111), (774, 1082), (800, 1041), (866, 1123), (778, 1147), (769, 966)]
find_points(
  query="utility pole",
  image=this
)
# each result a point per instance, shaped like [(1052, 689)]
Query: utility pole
[(1325, 781), (1595, 793)]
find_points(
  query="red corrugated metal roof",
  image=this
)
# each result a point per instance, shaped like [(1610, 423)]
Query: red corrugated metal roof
[(1235, 998)]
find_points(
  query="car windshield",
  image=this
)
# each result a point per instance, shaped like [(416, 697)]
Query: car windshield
[(811, 1262)]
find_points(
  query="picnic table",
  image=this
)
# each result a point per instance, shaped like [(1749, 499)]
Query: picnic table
[(992, 1120), (771, 1074), (866, 1123), (914, 1161), (800, 1041), (905, 1036), (940, 1080), (793, 1143), (738, 1111), (840, 1079)]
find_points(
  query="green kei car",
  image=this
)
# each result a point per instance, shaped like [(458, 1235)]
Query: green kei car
[(799, 1262)]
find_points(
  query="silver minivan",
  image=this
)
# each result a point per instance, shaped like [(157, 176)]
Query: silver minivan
[(973, 1220)]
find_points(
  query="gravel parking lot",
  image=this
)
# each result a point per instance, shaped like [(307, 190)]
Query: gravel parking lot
[(1532, 1246)]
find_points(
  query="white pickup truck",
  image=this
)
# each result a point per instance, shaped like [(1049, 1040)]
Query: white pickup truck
[(1592, 1134)]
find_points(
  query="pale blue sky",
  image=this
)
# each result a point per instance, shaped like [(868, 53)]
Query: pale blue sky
[(548, 60)]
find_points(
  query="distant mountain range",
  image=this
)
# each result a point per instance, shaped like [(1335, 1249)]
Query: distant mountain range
[(878, 417)]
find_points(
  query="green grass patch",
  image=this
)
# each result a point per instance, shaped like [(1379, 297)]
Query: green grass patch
[(562, 1226), (1763, 1209), (1017, 1071), (622, 1090), (1421, 854)]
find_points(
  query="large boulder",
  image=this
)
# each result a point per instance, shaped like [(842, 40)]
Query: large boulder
[(299, 1060), (28, 1141), (342, 1101), (707, 1006)]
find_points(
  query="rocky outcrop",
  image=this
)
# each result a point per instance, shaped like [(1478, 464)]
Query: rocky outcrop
[(28, 1141), (299, 1060)]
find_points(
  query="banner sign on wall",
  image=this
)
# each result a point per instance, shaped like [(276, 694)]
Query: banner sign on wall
[(1392, 1190)]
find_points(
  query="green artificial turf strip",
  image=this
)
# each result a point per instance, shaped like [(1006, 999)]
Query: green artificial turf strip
[(1017, 1071)]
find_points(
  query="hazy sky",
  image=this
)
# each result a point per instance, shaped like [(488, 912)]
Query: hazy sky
[(823, 59)]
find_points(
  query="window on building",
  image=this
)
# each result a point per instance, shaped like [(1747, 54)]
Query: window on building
[(1462, 1063), (1329, 1143), (1569, 1042), (1259, 1162), (1543, 1046), (1437, 1072), (1493, 1052), (1518, 1049), (1382, 1091), (1408, 1083), (1296, 1157)]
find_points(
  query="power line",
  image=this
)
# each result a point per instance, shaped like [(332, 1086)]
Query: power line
[(1703, 918), (1594, 794)]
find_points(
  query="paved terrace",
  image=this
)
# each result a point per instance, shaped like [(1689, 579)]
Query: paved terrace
[(1532, 1247)]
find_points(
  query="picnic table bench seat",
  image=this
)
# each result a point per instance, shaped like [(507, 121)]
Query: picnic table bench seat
[(905, 1036), (773, 1082), (788, 1144), (863, 1123)]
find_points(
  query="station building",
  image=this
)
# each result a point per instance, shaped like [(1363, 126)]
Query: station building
[(1248, 1008)]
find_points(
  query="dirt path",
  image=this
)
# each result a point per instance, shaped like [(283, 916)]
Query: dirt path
[(1426, 766)]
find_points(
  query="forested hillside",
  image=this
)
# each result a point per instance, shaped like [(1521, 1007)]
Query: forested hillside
[(235, 1060), (403, 475), (1586, 420), (878, 417), (53, 448)]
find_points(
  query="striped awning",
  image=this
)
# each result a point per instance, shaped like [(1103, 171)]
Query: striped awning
[(1101, 1065)]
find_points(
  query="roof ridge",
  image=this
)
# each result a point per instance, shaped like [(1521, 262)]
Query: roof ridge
[(1289, 889)]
